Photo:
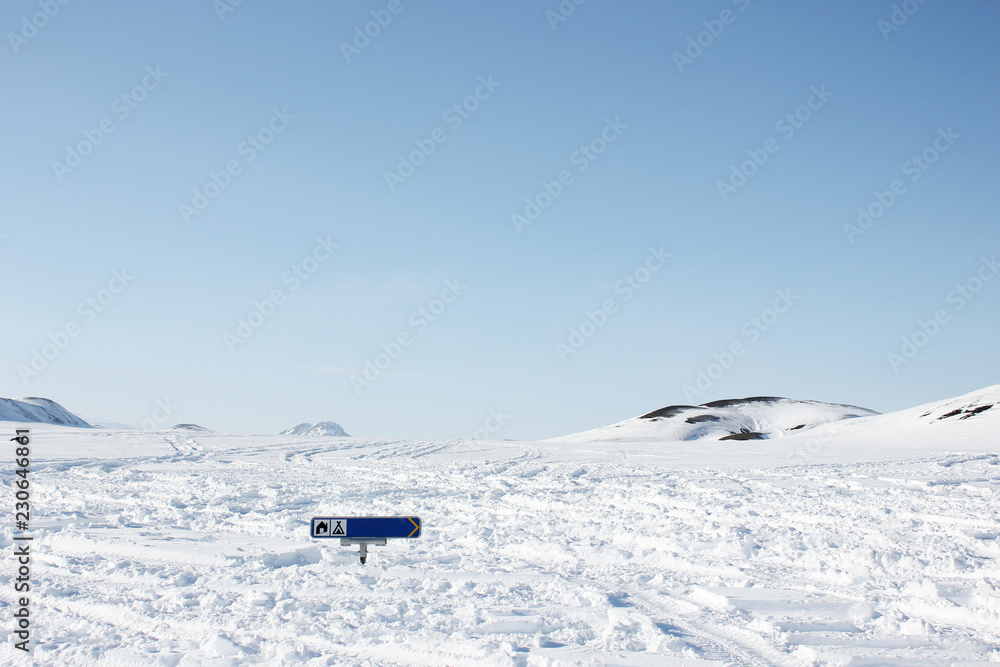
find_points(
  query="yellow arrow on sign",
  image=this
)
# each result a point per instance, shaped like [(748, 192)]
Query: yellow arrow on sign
[(416, 526)]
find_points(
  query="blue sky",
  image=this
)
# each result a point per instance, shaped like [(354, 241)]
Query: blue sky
[(829, 103)]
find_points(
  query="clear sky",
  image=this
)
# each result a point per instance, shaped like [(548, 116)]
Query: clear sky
[(467, 184)]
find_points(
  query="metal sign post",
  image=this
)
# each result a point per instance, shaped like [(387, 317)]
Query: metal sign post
[(365, 531)]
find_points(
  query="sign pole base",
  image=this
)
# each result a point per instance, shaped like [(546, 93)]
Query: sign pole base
[(363, 542)]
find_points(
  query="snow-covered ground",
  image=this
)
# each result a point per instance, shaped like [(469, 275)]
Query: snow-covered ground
[(871, 542)]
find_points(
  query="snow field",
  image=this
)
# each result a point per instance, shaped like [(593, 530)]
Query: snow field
[(197, 553)]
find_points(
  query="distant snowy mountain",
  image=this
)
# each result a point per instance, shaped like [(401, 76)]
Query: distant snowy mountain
[(322, 428), (756, 418), (109, 424), (39, 410), (190, 427)]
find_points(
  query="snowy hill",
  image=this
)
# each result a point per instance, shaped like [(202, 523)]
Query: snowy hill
[(755, 418), (322, 428), (189, 427), (963, 407), (38, 410)]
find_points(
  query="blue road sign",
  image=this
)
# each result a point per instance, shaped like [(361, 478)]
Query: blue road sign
[(366, 527)]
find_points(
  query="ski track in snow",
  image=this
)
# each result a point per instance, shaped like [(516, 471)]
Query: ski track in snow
[(194, 550)]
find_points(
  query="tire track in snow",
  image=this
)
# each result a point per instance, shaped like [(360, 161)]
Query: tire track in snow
[(713, 641), (189, 448)]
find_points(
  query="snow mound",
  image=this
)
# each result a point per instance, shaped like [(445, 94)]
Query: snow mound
[(755, 418), (39, 410), (190, 427), (322, 428)]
